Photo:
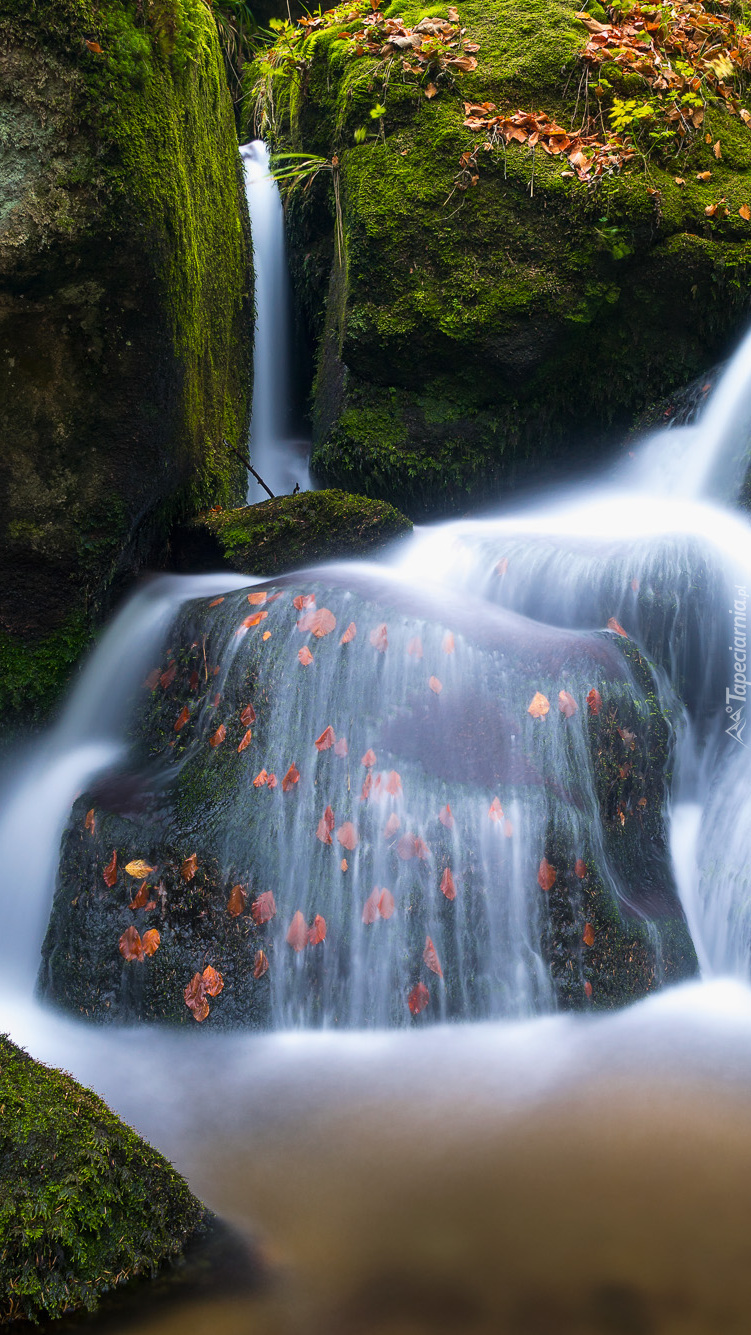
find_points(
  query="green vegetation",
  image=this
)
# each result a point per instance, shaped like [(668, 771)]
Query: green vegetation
[(85, 1205)]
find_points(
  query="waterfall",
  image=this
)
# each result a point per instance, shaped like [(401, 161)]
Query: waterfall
[(279, 458)]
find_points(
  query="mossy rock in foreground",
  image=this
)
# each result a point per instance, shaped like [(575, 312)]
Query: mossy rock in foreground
[(289, 531), (85, 1204)]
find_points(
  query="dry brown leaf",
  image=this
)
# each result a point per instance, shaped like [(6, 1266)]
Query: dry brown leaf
[(297, 933), (347, 836), (291, 778), (261, 779), (305, 656), (435, 685), (150, 941), (430, 956), (567, 704), (257, 599), (263, 909), (448, 886), (237, 900), (349, 634), (260, 964), (539, 705), (218, 737), (246, 740), (110, 871), (546, 875), (189, 867), (90, 822), (248, 716), (195, 998), (379, 638), (131, 946), (326, 739), (213, 983), (589, 934)]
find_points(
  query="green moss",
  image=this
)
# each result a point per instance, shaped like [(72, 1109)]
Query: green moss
[(294, 530), (543, 311), (85, 1204), (33, 673)]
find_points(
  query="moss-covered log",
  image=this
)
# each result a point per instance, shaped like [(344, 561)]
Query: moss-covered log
[(125, 309), (85, 1204), (470, 335), (289, 531)]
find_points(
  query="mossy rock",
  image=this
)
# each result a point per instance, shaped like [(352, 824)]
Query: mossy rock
[(85, 1204), (125, 310), (289, 531), (468, 338)]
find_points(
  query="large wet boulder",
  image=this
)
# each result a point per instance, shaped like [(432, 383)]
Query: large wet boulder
[(350, 800), (125, 310), (85, 1204), (485, 313), (288, 531)]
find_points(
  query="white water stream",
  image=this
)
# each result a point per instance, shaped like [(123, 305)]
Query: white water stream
[(565, 1175)]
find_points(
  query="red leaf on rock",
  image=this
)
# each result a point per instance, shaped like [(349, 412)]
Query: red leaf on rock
[(216, 602), (394, 784), (195, 998), (430, 957), (435, 685), (588, 990), (291, 778), (369, 759), (379, 638), (546, 875), (182, 719), (218, 737), (343, 865), (371, 910), (193, 681), (594, 700), (411, 846), (248, 716), (152, 680), (448, 645), (567, 704), (617, 627), (297, 934), (414, 648), (237, 900), (495, 811), (580, 868), (418, 998), (589, 934), (347, 836), (392, 825), (246, 740), (130, 945), (110, 871), (257, 599), (305, 656), (213, 983), (260, 964), (189, 867), (168, 676), (446, 818), (448, 887), (349, 634), (90, 821), (304, 600), (263, 909), (141, 898), (272, 781), (260, 779), (254, 619), (320, 623), (317, 933), (150, 941), (386, 904), (340, 748), (326, 739), (325, 826), (539, 705), (367, 785)]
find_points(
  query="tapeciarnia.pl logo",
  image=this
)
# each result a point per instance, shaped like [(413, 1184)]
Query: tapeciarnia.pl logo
[(737, 694)]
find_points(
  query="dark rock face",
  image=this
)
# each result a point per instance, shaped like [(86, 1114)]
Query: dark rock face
[(282, 767), (125, 310), (85, 1204)]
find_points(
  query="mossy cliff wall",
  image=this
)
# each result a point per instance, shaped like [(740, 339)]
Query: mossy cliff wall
[(125, 308), (470, 335)]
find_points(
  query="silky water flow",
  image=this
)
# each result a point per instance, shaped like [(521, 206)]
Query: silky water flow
[(488, 1162)]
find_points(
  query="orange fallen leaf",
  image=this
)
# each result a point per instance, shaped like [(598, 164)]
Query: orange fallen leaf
[(386, 904), (319, 623), (304, 600), (216, 602), (580, 867), (448, 645), (379, 638), (430, 92), (594, 701), (254, 620), (717, 150), (567, 704), (90, 822), (138, 869), (394, 784), (182, 719), (448, 886), (325, 826), (213, 983), (340, 748), (110, 871), (271, 781), (150, 941), (430, 957), (168, 676), (246, 740), (248, 716), (411, 846), (589, 934), (131, 946), (435, 685), (414, 648), (588, 990), (617, 627), (418, 998), (392, 825), (141, 897), (266, 635), (369, 759), (347, 836), (94, 46), (704, 176), (152, 680), (237, 900), (215, 699), (218, 737), (257, 599), (538, 706), (260, 964), (195, 998), (546, 875), (260, 779), (263, 909), (297, 933), (343, 865), (495, 811), (745, 212), (326, 739), (189, 867), (446, 818), (291, 778), (349, 634), (305, 656), (317, 933)]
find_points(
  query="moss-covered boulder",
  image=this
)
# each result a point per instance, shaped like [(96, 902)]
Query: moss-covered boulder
[(488, 313), (125, 308), (289, 531), (328, 772), (85, 1204)]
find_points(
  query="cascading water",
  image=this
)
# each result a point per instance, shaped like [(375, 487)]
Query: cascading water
[(279, 458), (547, 1173)]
